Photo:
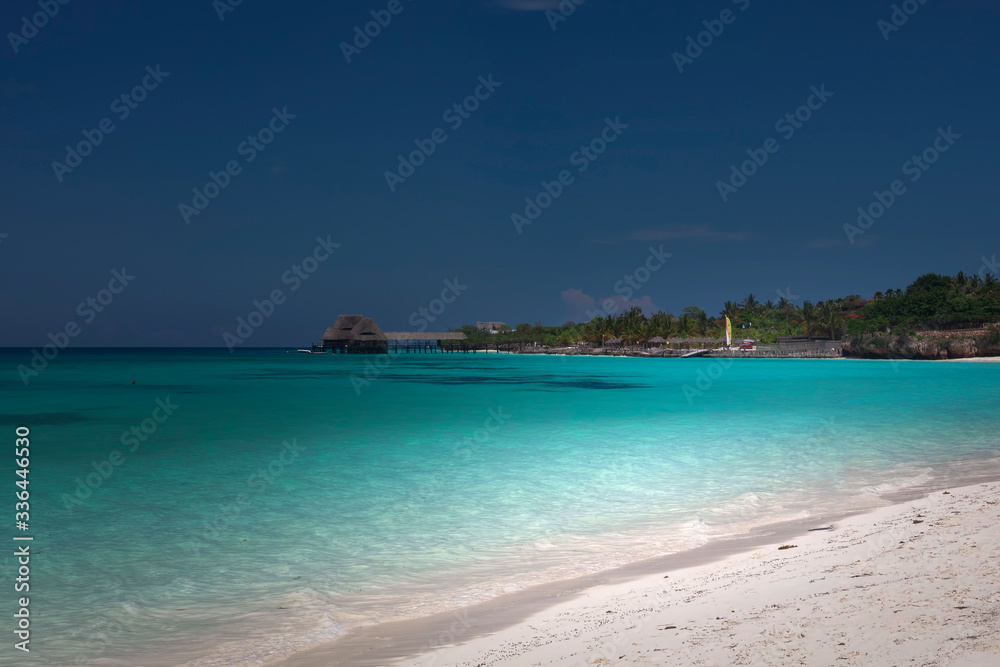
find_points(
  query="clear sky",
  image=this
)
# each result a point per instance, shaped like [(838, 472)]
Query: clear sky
[(309, 129)]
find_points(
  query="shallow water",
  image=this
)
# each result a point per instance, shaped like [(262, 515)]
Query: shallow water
[(281, 502)]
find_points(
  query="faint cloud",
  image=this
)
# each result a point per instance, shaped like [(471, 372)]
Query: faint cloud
[(703, 233), (279, 167), (575, 298)]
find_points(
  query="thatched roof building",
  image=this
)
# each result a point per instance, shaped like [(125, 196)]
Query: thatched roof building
[(342, 329), (360, 334)]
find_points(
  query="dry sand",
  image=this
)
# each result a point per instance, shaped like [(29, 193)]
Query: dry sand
[(910, 584), (916, 584)]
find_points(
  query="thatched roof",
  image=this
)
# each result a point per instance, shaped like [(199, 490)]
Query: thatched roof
[(424, 335), (366, 329), (657, 339), (343, 328), (360, 328), (613, 341), (353, 327)]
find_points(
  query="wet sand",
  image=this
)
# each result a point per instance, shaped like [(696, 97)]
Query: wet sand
[(916, 580)]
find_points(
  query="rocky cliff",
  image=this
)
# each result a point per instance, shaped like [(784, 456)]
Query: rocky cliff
[(926, 345)]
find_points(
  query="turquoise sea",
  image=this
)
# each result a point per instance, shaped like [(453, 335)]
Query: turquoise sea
[(266, 501)]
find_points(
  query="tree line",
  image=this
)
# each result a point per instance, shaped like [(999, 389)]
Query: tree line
[(931, 302)]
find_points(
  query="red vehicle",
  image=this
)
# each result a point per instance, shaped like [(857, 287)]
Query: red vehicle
[(746, 344)]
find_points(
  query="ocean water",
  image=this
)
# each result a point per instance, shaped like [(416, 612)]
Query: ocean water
[(278, 498)]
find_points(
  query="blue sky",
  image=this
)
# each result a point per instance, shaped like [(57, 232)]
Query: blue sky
[(223, 84)]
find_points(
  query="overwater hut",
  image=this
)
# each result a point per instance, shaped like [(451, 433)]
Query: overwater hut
[(357, 334)]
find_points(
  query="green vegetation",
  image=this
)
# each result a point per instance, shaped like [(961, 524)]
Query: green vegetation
[(932, 302)]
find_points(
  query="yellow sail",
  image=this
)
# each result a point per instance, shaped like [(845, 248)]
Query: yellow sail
[(729, 332)]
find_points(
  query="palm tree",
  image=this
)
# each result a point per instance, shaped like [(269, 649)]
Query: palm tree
[(685, 324), (612, 327), (632, 324), (806, 316), (598, 330), (661, 324), (831, 318), (750, 303), (699, 319), (730, 310)]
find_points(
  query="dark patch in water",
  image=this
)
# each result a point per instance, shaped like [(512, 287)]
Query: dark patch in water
[(544, 380), (285, 376), (43, 419)]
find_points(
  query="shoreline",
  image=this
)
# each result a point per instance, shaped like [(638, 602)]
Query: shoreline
[(909, 583), (450, 638), (715, 353)]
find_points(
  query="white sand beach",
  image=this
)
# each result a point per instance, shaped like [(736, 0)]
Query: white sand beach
[(916, 583)]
